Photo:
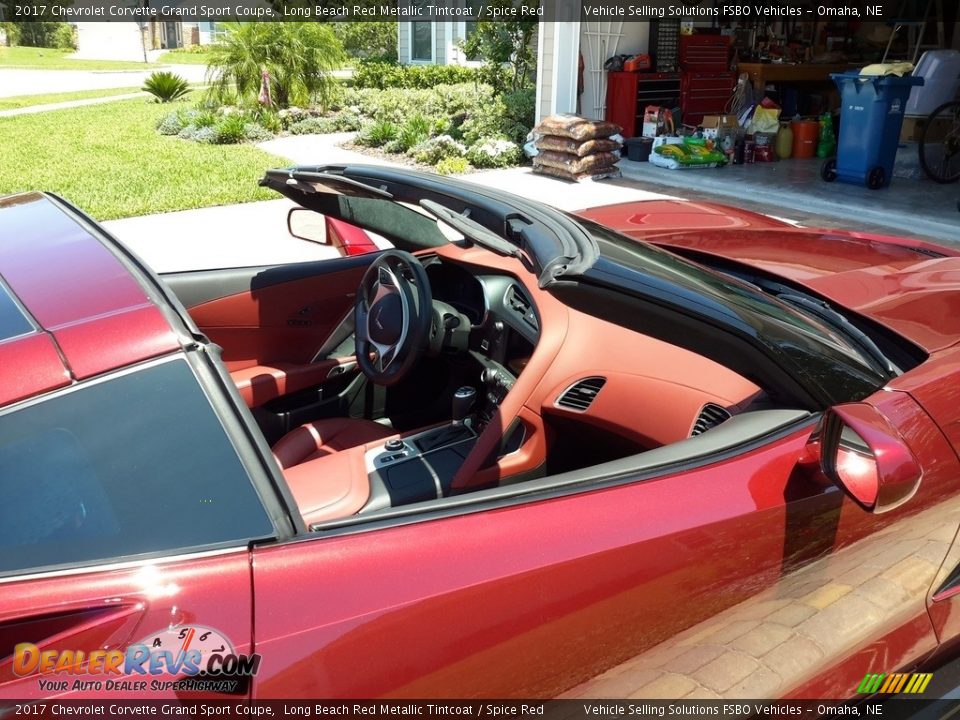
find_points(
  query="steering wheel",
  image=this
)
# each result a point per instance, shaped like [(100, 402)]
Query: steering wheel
[(391, 316)]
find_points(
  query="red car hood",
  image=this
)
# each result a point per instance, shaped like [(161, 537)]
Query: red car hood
[(903, 284)]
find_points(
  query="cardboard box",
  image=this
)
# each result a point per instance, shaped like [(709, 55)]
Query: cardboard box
[(711, 124), (914, 127)]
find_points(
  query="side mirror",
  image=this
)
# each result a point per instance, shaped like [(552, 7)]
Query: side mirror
[(308, 225), (867, 458)]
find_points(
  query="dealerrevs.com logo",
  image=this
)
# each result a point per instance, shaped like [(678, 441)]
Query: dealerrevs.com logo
[(200, 657)]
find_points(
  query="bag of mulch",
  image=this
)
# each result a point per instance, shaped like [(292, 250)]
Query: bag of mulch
[(576, 127), (574, 147), (598, 174), (574, 164)]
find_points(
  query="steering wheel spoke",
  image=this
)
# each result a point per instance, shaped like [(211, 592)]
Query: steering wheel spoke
[(392, 316)]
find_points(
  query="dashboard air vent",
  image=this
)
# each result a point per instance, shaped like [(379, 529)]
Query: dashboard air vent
[(710, 416), (579, 395), (517, 301)]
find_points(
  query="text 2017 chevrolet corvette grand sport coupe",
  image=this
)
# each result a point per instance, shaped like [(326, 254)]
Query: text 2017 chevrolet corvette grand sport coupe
[(521, 454)]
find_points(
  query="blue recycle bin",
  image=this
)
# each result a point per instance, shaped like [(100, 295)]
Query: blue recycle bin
[(871, 115)]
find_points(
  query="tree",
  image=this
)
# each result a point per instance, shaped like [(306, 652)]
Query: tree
[(299, 56), (369, 39), (35, 27), (507, 42)]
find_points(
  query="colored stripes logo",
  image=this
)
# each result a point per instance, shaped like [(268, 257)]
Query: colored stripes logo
[(883, 684)]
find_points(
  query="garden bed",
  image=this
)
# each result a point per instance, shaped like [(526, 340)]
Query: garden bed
[(450, 128)]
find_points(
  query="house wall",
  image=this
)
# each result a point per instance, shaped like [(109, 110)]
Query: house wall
[(403, 42), (557, 60), (545, 69)]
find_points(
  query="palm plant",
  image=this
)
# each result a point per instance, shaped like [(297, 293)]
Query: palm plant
[(165, 86), (299, 57)]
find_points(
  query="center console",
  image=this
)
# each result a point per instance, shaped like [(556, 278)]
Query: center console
[(417, 467)]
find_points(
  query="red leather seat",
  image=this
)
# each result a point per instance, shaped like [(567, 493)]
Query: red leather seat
[(325, 437)]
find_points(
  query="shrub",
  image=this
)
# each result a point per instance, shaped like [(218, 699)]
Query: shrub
[(9, 34), (377, 134), (166, 86), (413, 132), (441, 126), (395, 146), (510, 115), (201, 118), (64, 37), (40, 34), (347, 121), (170, 124), (443, 101), (313, 126), (268, 121), (230, 129), (432, 151), (384, 75), (207, 135), (452, 166), (255, 132), (367, 39), (263, 116), (507, 42), (291, 115), (187, 132), (299, 57), (520, 108), (494, 153)]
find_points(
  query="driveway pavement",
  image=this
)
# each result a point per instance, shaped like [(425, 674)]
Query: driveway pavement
[(245, 235), (36, 81)]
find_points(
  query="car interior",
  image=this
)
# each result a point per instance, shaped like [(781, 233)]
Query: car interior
[(387, 379)]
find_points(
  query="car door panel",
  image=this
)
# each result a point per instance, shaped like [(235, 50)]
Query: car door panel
[(643, 588), (114, 608), (271, 322), (277, 315), (525, 601)]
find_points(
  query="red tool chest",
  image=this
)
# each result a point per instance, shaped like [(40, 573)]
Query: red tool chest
[(707, 80), (705, 94), (629, 93), (705, 53)]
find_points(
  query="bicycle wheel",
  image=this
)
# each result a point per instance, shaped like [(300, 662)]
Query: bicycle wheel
[(940, 143)]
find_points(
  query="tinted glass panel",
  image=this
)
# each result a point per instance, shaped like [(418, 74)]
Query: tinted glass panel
[(136, 464), (12, 320)]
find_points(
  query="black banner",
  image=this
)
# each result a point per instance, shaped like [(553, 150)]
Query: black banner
[(888, 709), (719, 11)]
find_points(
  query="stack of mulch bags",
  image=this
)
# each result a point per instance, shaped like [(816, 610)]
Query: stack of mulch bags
[(574, 148)]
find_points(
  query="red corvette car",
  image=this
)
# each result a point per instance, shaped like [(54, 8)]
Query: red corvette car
[(638, 452)]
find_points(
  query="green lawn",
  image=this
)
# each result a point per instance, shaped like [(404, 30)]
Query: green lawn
[(21, 101), (109, 161), (53, 59), (184, 57)]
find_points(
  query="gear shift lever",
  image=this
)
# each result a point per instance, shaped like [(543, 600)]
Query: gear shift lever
[(462, 402)]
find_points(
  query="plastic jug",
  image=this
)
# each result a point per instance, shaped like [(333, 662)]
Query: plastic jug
[(784, 142)]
